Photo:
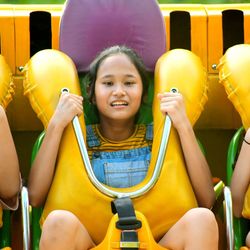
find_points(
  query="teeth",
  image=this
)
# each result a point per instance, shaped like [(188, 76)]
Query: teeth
[(118, 103)]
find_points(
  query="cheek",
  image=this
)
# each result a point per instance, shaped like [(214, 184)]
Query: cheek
[(101, 98), (137, 96), (137, 99), (100, 105), (98, 100), (98, 93)]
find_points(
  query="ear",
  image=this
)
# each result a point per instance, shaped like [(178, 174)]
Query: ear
[(144, 98), (93, 100), (88, 91)]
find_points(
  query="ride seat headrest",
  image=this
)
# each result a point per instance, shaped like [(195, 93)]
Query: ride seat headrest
[(89, 26)]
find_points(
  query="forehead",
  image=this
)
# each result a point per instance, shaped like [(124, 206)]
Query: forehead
[(117, 63)]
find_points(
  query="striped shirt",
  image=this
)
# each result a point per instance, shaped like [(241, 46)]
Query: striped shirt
[(136, 140)]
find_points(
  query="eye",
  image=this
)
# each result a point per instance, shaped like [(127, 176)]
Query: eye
[(129, 83), (107, 83)]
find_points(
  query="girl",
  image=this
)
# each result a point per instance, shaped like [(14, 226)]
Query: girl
[(118, 84), (241, 179)]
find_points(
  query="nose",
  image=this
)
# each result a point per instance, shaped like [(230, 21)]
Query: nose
[(119, 90)]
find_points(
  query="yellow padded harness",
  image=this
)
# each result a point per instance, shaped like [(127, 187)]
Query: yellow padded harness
[(47, 73), (234, 71)]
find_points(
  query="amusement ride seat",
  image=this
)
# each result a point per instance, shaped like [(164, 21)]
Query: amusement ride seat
[(233, 73), (240, 225), (86, 28)]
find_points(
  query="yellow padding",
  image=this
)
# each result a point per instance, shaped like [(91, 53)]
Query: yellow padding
[(234, 68), (113, 236), (234, 74), (6, 248), (6, 83), (47, 73), (246, 206), (182, 69)]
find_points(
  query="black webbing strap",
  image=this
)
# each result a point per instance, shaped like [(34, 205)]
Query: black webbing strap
[(127, 223), (126, 213)]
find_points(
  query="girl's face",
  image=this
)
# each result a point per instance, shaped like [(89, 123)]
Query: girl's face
[(118, 89)]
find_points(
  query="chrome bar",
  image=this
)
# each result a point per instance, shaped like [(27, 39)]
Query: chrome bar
[(105, 189), (228, 211), (25, 218)]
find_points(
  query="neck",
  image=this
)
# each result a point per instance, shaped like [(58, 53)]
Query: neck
[(117, 131)]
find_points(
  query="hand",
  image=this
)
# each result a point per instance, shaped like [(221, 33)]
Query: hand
[(68, 107), (172, 104)]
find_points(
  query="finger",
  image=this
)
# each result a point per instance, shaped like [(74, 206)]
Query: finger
[(70, 95), (172, 101), (79, 110), (170, 107), (168, 95), (77, 97), (69, 98)]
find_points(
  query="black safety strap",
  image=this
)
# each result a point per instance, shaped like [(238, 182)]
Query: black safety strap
[(126, 213), (127, 223)]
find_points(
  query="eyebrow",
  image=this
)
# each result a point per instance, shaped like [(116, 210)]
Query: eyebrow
[(108, 76)]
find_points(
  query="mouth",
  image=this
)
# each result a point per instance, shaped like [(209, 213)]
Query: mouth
[(119, 103)]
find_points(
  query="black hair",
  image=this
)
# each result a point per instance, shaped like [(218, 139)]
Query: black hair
[(133, 57)]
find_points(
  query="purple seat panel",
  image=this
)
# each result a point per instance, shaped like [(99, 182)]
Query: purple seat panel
[(89, 26)]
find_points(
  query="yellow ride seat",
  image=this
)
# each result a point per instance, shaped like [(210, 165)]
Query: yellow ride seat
[(234, 69), (86, 28), (6, 83), (113, 236), (47, 73)]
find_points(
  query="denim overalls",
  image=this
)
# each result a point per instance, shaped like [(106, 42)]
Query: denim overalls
[(124, 168)]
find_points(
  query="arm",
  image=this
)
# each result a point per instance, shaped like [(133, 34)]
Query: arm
[(43, 168), (241, 177), (196, 164), (9, 166)]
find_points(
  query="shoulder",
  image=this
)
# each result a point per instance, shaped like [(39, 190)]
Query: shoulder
[(145, 131)]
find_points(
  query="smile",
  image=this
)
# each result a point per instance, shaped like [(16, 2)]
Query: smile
[(119, 103)]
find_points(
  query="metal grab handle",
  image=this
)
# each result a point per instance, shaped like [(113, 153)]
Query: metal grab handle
[(228, 212), (104, 189), (25, 218)]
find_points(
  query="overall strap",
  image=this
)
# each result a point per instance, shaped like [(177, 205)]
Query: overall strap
[(149, 132), (92, 139)]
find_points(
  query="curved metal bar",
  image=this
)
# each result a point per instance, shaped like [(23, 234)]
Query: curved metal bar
[(110, 192), (25, 218), (228, 211)]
